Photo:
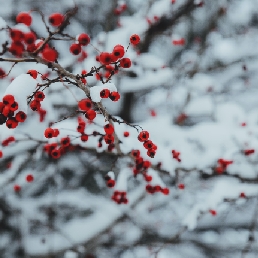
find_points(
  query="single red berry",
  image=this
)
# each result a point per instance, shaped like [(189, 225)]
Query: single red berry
[(135, 39), (90, 114), (16, 48), (65, 141), (33, 74), (125, 62), (114, 96), (49, 133), (151, 153), (1, 154), (213, 212), (148, 144), (49, 54), (143, 136), (56, 153), (85, 104), (126, 134), (75, 49), (14, 106), (104, 93), (118, 51), (2, 73), (242, 195), (135, 153), (148, 178), (109, 138), (39, 96), (109, 129), (165, 191), (29, 178), (29, 38), (56, 19), (56, 132), (105, 58), (35, 105), (8, 99), (20, 116), (84, 137), (17, 188), (25, 18), (181, 186), (11, 123), (16, 35), (111, 183), (84, 39)]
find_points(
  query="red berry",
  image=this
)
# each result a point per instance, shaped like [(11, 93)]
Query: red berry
[(213, 212), (56, 19), (49, 133), (1, 154), (8, 99), (14, 106), (143, 136), (135, 153), (33, 73), (105, 58), (126, 134), (39, 96), (17, 188), (84, 137), (109, 138), (49, 54), (104, 93), (65, 141), (20, 116), (11, 123), (29, 178), (90, 114), (56, 132), (242, 195), (75, 49), (35, 105), (118, 51), (165, 191), (56, 153), (84, 39), (16, 35), (181, 186), (111, 183), (24, 18), (151, 153), (85, 104), (125, 62), (109, 129), (148, 144), (29, 38), (135, 39), (114, 96)]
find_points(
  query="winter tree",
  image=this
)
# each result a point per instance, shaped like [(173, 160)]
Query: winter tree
[(128, 128)]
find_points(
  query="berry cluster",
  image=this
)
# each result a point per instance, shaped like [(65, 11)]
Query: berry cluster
[(156, 189), (9, 113), (85, 105), (35, 104), (82, 39), (119, 197), (222, 165), (147, 144)]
